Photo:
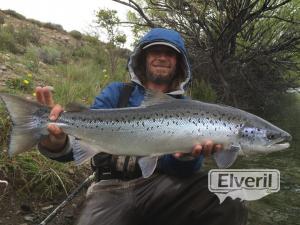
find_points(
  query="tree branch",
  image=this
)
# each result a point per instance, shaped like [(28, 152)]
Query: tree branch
[(138, 9)]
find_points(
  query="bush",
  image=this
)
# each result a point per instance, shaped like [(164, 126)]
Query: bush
[(76, 34), (2, 19), (32, 59), (36, 22), (28, 34), (202, 91), (49, 55), (14, 14), (8, 42), (53, 26), (15, 41)]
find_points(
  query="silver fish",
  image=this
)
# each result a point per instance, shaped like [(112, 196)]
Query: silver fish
[(161, 125)]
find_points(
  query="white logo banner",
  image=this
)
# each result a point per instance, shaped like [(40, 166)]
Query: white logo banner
[(245, 184)]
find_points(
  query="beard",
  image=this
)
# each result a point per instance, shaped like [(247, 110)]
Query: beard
[(159, 78)]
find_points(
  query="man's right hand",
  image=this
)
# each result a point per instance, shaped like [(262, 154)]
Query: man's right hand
[(56, 140)]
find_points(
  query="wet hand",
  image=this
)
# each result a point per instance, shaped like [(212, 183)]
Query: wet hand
[(207, 149), (56, 139)]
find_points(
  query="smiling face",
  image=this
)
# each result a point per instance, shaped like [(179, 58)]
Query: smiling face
[(160, 64)]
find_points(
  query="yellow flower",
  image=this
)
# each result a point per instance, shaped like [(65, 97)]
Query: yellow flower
[(104, 70), (105, 76), (26, 82), (34, 94), (29, 75)]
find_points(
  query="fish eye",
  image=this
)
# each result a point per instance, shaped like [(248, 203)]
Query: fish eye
[(272, 136)]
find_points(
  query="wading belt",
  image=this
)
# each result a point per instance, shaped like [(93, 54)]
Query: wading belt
[(108, 166)]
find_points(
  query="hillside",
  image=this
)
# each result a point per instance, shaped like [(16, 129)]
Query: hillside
[(77, 66)]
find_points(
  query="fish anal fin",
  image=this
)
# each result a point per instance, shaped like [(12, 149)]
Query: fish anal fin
[(226, 157), (148, 165)]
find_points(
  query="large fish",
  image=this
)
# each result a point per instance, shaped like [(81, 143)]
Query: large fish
[(161, 125)]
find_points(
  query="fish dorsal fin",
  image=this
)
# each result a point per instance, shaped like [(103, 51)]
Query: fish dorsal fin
[(226, 157), (76, 107), (155, 98)]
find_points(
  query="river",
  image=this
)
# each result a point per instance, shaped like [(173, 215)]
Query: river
[(283, 207)]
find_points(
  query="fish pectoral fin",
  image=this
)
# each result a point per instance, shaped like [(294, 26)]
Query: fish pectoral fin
[(148, 165), (83, 150), (226, 157)]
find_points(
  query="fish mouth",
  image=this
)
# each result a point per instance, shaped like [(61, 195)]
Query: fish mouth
[(280, 144)]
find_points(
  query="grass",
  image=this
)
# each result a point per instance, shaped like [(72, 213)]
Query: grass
[(77, 74)]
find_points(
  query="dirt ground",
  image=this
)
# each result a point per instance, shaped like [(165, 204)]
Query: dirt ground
[(26, 210)]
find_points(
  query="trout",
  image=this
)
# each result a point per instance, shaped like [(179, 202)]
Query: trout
[(161, 125)]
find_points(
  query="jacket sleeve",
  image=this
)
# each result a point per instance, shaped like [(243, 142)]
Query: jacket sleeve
[(170, 165), (108, 98)]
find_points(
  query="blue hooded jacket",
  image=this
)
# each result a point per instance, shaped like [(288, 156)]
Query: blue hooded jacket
[(109, 96)]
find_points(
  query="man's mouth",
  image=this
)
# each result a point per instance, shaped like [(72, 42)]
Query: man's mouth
[(162, 66)]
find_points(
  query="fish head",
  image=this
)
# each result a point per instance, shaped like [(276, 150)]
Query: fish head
[(263, 137)]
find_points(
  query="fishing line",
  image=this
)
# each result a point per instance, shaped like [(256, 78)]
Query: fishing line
[(68, 199)]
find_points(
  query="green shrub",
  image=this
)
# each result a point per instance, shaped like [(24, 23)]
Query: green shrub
[(8, 42), (202, 90), (16, 40), (76, 34), (28, 34), (14, 14), (53, 26), (2, 19), (32, 59), (49, 55), (36, 22)]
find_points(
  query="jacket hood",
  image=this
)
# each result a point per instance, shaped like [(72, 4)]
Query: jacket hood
[(170, 38)]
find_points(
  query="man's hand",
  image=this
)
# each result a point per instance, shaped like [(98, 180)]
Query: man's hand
[(56, 139), (207, 149)]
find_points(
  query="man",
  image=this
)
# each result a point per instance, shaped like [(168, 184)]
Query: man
[(175, 193)]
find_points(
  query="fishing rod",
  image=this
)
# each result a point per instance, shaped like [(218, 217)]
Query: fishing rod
[(68, 199)]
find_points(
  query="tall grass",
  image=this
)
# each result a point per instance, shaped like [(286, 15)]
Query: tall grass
[(78, 82)]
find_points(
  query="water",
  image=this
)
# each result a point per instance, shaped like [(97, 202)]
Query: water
[(283, 207)]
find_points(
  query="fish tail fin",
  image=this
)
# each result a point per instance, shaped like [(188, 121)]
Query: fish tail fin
[(25, 132)]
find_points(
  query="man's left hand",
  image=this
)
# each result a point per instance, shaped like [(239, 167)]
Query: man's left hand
[(207, 149)]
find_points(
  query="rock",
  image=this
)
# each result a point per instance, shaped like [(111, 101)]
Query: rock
[(29, 218), (3, 68), (47, 207)]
